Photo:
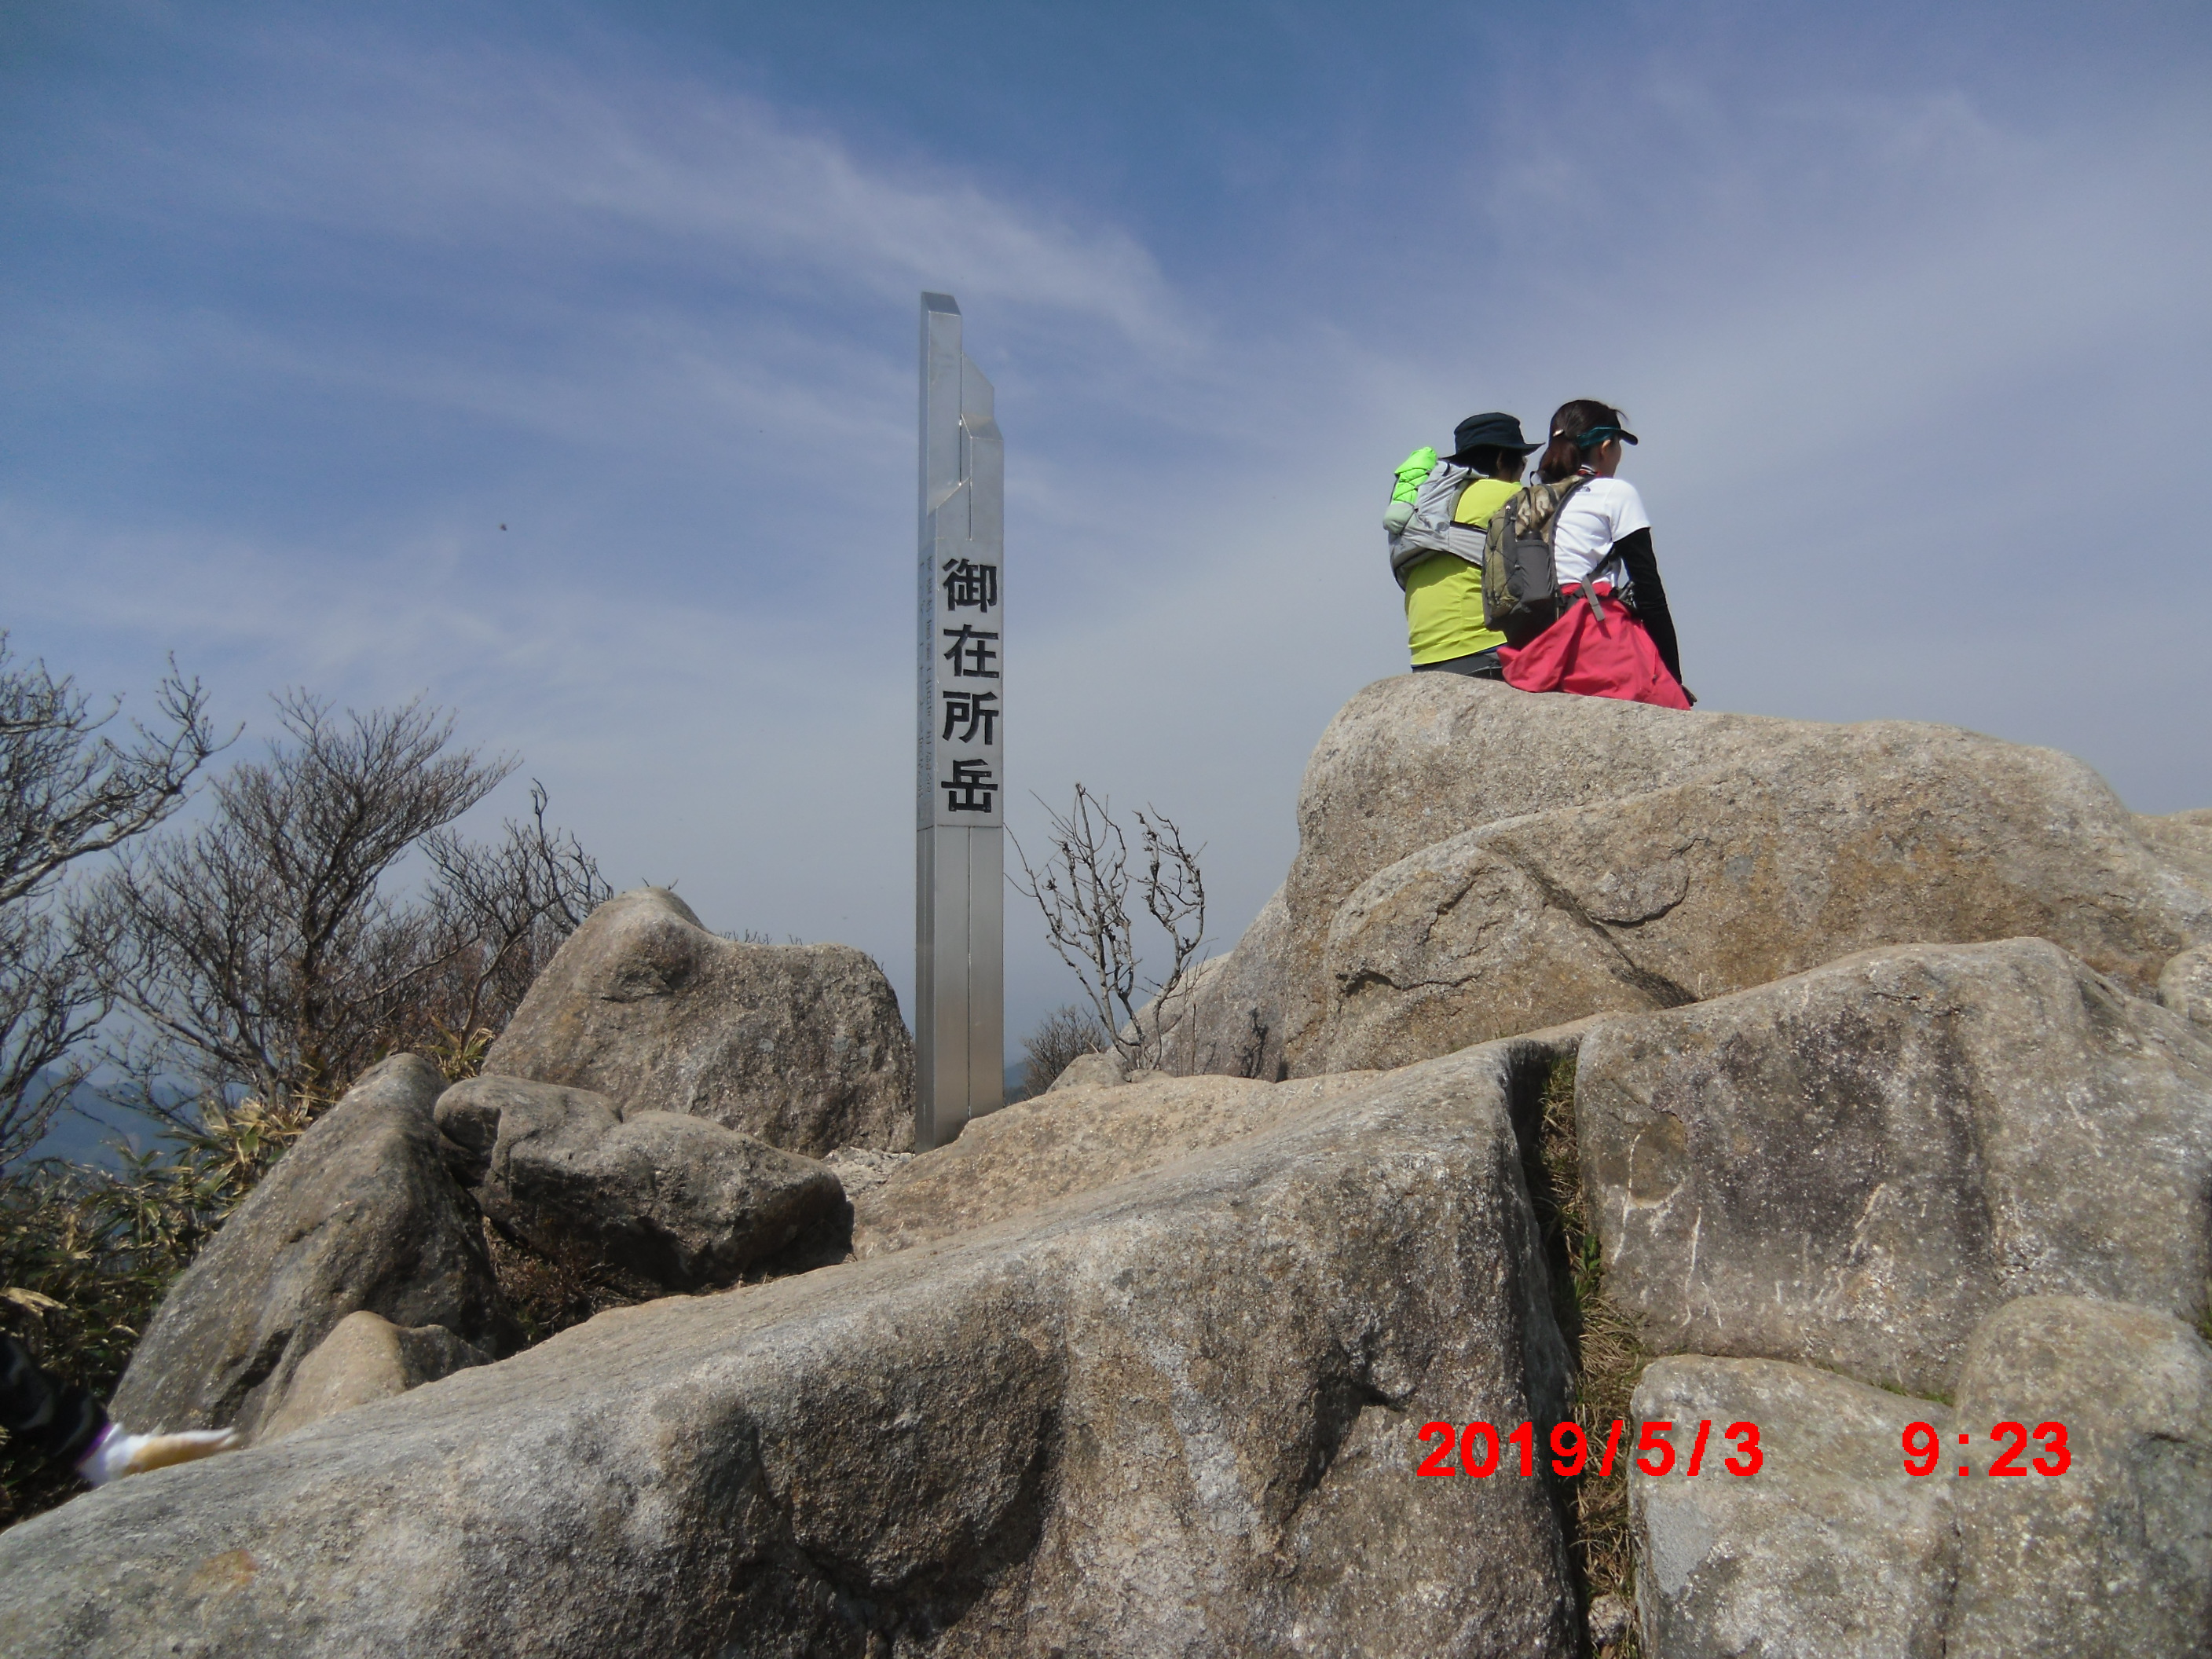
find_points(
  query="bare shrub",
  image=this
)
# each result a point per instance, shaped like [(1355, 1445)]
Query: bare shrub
[(500, 911), (1060, 1038), (264, 952), (1084, 892), (70, 788)]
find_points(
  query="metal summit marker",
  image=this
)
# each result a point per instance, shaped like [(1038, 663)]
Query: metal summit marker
[(959, 944)]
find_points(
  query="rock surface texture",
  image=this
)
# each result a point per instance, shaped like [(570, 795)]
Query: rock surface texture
[(1833, 1549), (1827, 1550), (675, 1202), (2185, 838), (366, 1359), (1175, 1416), (1850, 1168), (798, 1045), (2114, 1555), (1837, 1072), (1024, 1156), (1474, 861), (359, 1214), (1239, 1009), (1101, 1071), (2185, 986)]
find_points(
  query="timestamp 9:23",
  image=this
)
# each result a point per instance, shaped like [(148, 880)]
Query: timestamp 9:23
[(1924, 1448)]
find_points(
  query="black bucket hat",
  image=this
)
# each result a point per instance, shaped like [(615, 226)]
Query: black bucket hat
[(1491, 431)]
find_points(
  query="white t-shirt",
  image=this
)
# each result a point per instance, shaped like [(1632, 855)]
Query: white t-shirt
[(1597, 515)]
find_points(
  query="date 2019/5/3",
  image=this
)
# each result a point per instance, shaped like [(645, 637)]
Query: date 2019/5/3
[(1481, 1449), (1480, 1446)]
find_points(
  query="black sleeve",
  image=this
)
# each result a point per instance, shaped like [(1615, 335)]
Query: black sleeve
[(59, 1422), (1650, 596)]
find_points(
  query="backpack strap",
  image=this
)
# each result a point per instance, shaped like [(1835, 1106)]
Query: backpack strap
[(1551, 538), (1559, 505)]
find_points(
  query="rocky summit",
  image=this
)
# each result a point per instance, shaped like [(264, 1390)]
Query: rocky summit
[(1833, 1103), (1474, 861)]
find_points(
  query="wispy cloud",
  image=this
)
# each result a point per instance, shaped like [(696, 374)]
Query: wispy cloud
[(498, 148), (412, 286)]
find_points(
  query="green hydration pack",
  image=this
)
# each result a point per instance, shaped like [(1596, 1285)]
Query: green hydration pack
[(1521, 582), (1419, 521), (1406, 490)]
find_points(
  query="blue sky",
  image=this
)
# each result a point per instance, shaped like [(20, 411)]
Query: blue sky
[(299, 306)]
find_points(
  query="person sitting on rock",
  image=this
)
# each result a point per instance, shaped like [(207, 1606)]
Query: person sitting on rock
[(65, 1423), (1602, 539), (1443, 591)]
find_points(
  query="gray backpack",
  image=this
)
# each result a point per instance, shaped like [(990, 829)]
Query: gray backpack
[(1520, 582), (1430, 530)]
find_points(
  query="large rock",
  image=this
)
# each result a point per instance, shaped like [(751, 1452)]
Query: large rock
[(1832, 1548), (2113, 1555), (800, 1046), (1072, 1140), (1177, 1416), (1678, 893), (365, 1358), (1406, 764), (1827, 1550), (1474, 861), (1850, 1168), (359, 1214), (675, 1202)]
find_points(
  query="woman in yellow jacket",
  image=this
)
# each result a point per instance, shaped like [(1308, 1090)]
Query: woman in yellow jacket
[(1443, 593)]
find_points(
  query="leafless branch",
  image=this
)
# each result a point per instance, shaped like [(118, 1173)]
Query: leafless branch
[(1083, 893), (262, 951), (69, 791), (505, 910), (1062, 1035)]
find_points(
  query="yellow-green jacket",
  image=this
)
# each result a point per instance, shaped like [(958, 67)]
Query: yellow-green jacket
[(1443, 593)]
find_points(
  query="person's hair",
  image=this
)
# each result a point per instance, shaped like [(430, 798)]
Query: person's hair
[(1493, 462), (1570, 423)]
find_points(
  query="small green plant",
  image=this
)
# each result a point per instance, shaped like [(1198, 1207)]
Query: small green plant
[(459, 1054), (1609, 1360)]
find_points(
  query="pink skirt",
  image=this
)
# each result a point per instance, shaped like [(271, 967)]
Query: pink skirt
[(1614, 658)]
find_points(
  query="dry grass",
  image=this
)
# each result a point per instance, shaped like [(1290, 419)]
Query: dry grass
[(87, 1255), (1609, 1360), (548, 1294)]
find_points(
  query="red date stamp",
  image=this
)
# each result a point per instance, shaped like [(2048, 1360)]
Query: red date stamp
[(1481, 1449), (1923, 1446)]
